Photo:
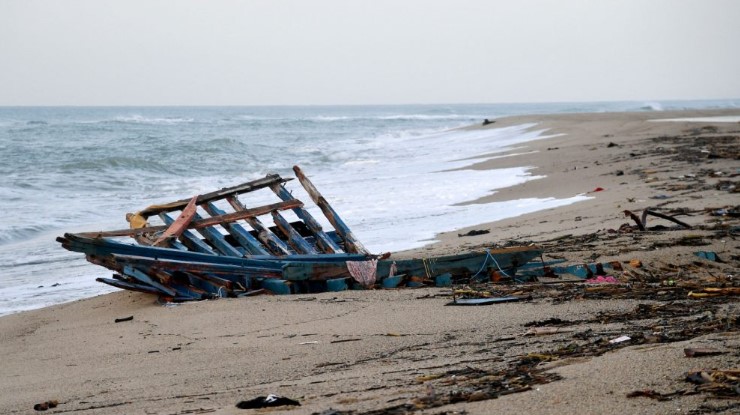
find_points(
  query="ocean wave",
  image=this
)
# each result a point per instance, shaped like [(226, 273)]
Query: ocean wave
[(345, 118), (23, 233), (129, 164), (139, 119), (652, 106)]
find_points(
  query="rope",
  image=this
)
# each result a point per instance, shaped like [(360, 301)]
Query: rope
[(488, 255)]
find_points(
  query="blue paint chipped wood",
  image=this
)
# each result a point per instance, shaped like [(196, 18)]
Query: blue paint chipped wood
[(392, 282), (338, 284), (275, 286), (444, 280)]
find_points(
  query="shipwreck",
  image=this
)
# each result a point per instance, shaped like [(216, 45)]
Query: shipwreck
[(212, 246)]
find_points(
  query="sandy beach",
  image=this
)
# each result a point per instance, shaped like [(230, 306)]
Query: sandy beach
[(405, 350)]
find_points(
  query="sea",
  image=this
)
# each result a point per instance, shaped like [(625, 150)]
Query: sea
[(395, 173)]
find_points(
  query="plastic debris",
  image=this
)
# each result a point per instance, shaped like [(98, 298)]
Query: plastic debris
[(701, 351), (268, 401), (620, 339)]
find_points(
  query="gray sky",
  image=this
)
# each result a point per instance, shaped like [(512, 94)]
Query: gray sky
[(217, 52)]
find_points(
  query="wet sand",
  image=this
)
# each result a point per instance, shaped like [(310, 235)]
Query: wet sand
[(400, 351)]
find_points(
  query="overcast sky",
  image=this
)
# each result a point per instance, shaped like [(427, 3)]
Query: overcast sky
[(249, 52)]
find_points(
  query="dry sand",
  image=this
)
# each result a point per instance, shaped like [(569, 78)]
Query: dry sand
[(397, 351)]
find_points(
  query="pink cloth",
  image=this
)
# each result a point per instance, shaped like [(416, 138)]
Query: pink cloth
[(603, 280), (363, 271)]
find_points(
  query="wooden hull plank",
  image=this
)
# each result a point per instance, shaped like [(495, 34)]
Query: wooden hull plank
[(350, 241), (245, 239), (323, 241), (189, 239), (269, 239), (296, 240), (251, 186), (217, 239)]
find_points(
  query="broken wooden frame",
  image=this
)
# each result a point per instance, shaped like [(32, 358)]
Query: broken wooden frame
[(213, 245), (642, 221)]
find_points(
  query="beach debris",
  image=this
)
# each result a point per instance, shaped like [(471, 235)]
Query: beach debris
[(542, 331), (709, 292), (552, 321), (649, 393), (642, 222), (212, 246), (701, 351), (710, 256), (122, 319), (43, 406), (487, 121), (484, 301), (345, 340), (474, 232), (602, 280), (720, 383), (269, 401), (620, 339)]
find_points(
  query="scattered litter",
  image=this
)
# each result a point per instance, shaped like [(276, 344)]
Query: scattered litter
[(312, 342), (268, 401), (542, 331), (474, 232), (483, 301), (720, 383), (122, 319), (642, 222), (43, 406), (710, 256), (709, 292), (602, 280), (344, 340), (701, 351), (649, 393), (620, 339)]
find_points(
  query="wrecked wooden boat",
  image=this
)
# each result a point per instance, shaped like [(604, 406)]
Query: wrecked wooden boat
[(212, 245)]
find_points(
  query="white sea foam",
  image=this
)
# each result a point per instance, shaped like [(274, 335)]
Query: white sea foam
[(140, 119), (722, 118)]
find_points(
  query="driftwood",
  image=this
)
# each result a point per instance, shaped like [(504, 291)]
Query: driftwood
[(642, 221)]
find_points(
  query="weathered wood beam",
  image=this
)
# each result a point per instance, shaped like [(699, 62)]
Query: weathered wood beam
[(323, 241), (264, 234), (353, 245), (214, 220), (296, 240), (218, 194)]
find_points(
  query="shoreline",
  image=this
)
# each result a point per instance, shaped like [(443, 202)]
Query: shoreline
[(364, 351), (580, 161)]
